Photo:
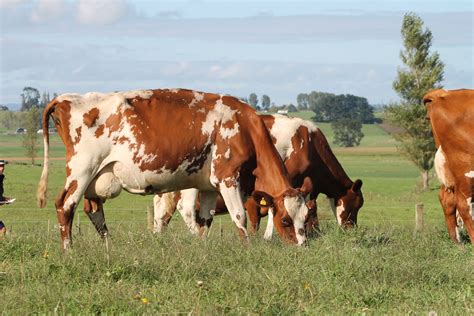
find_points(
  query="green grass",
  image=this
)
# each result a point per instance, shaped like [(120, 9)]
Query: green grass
[(380, 268)]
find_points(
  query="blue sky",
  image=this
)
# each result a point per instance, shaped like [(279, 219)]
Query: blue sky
[(278, 48)]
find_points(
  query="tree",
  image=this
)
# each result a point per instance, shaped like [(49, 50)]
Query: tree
[(423, 71), (329, 107), (29, 98), (347, 132), (30, 139), (265, 102), (303, 101), (253, 100)]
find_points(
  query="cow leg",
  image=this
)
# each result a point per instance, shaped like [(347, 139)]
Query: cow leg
[(464, 209), (269, 230), (254, 215), (208, 203), (93, 207), (187, 208), (233, 200), (164, 207), (65, 206), (447, 200)]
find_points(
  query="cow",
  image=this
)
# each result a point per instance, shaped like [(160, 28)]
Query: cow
[(308, 158), (156, 141), (451, 115)]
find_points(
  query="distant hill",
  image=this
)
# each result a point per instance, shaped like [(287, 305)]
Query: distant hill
[(13, 106)]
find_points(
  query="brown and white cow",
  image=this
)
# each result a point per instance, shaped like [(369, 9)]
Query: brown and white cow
[(451, 114), (153, 141), (307, 156)]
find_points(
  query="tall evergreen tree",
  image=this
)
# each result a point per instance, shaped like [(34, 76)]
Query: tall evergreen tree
[(423, 71)]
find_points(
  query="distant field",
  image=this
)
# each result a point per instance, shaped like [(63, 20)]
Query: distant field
[(380, 268)]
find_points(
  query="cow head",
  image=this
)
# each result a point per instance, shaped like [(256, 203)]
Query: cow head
[(347, 206), (290, 213)]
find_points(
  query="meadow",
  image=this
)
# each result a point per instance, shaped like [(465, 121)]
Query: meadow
[(382, 267)]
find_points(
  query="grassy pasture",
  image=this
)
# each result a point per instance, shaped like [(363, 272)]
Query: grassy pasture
[(382, 267)]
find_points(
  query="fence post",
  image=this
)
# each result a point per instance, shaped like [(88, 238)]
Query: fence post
[(149, 218), (419, 217)]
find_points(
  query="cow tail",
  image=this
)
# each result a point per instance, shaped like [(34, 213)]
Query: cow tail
[(43, 184)]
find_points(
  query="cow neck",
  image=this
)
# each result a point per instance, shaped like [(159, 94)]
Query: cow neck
[(331, 179), (271, 175)]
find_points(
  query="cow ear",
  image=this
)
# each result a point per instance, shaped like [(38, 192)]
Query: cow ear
[(262, 198), (356, 185), (307, 186)]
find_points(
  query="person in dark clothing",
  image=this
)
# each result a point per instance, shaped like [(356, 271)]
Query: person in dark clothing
[(3, 199), (2, 176)]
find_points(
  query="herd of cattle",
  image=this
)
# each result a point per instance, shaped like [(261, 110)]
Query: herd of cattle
[(203, 153)]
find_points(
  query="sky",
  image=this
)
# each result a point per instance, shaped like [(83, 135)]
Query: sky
[(278, 48)]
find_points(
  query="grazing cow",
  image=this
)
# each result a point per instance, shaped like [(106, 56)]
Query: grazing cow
[(308, 157), (155, 141), (451, 114)]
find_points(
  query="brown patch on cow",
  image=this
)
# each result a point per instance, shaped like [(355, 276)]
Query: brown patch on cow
[(77, 139), (90, 117), (237, 216), (68, 171), (99, 131), (301, 231), (269, 121)]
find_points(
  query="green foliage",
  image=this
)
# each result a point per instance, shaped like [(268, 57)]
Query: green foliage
[(303, 101), (30, 140), (416, 139), (329, 107), (30, 98), (424, 71), (12, 120), (253, 100), (347, 132), (265, 101)]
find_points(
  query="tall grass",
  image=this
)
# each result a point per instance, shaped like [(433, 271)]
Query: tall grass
[(370, 270)]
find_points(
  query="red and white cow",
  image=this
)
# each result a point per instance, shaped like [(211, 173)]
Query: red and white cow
[(307, 156), (153, 141), (451, 115)]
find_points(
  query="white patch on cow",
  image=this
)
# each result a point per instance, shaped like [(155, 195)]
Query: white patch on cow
[(337, 211), (444, 175), (220, 114), (186, 207), (269, 229), (284, 128), (296, 208), (66, 244), (227, 153), (198, 97), (229, 132), (458, 234), (233, 200), (174, 90), (470, 174), (213, 178), (162, 205)]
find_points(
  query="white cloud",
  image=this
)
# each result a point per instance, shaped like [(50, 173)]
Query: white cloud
[(101, 12), (48, 9)]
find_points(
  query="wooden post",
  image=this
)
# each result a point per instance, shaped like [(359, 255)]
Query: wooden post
[(418, 217), (150, 218)]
